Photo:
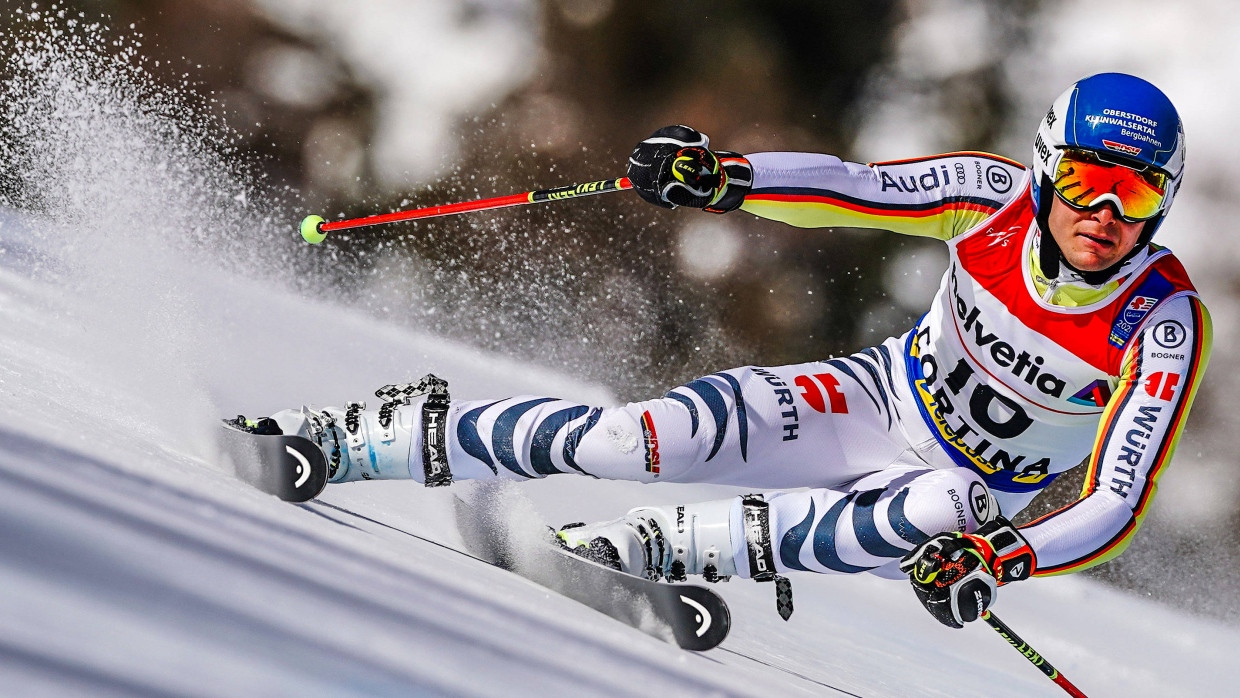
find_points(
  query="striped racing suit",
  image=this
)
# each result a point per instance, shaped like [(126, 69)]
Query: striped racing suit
[(1009, 380)]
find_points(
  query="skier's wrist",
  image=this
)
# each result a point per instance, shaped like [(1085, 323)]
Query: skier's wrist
[(1007, 554)]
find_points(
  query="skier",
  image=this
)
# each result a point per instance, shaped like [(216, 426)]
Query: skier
[(1060, 336)]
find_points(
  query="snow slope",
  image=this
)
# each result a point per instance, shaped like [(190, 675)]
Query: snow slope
[(133, 564)]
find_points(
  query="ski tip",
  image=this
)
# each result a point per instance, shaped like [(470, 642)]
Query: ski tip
[(290, 467), (705, 618)]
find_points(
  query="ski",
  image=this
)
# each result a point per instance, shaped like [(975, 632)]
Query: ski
[(290, 467), (693, 617)]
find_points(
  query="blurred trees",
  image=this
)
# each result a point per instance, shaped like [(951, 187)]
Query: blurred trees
[(595, 286), (612, 289)]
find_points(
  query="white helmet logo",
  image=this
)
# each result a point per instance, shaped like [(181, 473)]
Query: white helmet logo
[(703, 615), (303, 467)]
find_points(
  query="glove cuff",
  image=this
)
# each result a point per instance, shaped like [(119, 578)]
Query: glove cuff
[(1005, 551), (737, 181)]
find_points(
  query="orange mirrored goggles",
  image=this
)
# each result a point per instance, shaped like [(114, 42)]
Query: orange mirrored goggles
[(1083, 180)]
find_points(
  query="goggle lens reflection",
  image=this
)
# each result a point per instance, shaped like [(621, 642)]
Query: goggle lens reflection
[(1082, 179)]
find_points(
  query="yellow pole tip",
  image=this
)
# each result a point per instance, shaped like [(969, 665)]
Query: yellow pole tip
[(311, 231)]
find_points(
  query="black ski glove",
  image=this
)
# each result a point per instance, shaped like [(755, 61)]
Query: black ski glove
[(675, 167), (956, 575)]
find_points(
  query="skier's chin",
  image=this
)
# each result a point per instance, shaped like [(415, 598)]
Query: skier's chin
[(1090, 261), (1089, 253)]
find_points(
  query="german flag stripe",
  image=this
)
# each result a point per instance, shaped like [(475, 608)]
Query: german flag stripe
[(1127, 387), (1057, 512), (1129, 383), (1113, 547), (940, 219), (827, 197)]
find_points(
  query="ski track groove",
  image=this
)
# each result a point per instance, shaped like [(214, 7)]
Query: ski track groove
[(88, 680), (424, 539), (121, 581), (789, 672), (125, 584)]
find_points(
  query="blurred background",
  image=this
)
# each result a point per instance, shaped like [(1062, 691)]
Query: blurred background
[(351, 108)]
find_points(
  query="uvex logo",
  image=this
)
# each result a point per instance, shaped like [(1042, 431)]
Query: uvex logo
[(1042, 149)]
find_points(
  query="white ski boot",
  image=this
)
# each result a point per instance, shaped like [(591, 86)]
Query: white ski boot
[(402, 439), (658, 542)]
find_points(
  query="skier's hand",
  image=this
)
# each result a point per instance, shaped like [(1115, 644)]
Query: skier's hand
[(675, 167), (956, 575)]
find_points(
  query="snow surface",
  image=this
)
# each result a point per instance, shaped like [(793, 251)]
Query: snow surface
[(133, 564)]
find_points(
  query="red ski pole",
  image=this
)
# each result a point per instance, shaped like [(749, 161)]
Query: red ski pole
[(1029, 653), (314, 229)]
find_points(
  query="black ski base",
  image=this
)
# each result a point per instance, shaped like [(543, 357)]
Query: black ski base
[(693, 617), (289, 467)]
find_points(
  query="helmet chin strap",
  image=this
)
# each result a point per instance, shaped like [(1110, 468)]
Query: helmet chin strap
[(1050, 257)]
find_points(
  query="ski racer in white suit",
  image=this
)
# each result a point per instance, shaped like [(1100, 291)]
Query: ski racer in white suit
[(1060, 336)]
